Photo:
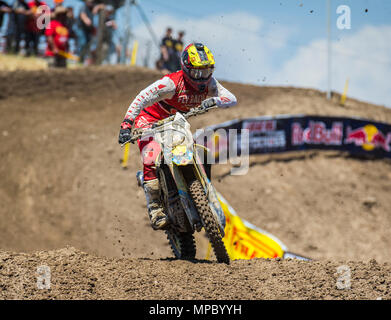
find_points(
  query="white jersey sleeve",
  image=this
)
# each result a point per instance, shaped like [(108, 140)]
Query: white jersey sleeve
[(157, 91), (224, 98)]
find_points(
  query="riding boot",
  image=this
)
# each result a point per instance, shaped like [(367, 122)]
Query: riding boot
[(156, 213)]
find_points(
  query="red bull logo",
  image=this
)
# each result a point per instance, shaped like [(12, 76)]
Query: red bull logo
[(317, 133), (368, 137)]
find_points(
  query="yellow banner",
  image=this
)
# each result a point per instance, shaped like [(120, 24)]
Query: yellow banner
[(245, 241)]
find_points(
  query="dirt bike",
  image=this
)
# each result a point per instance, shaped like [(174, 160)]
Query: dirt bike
[(189, 199)]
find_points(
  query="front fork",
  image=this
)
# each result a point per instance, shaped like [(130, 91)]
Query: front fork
[(210, 192), (187, 202)]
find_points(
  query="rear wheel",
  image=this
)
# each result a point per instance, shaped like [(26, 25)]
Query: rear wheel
[(209, 222), (182, 244)]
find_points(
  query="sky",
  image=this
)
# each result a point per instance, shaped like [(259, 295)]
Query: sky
[(281, 42), (278, 42)]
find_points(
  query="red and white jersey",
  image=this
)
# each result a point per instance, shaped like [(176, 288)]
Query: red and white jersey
[(171, 94)]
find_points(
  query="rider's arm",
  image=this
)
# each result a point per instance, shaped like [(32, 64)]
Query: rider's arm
[(224, 98), (157, 91)]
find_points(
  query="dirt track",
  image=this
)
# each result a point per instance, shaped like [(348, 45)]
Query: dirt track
[(61, 185)]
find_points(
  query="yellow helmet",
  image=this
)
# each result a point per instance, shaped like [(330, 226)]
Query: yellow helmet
[(197, 63)]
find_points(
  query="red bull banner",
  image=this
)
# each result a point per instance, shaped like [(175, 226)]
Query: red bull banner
[(302, 132)]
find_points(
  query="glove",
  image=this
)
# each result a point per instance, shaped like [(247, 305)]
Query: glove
[(125, 133), (207, 103)]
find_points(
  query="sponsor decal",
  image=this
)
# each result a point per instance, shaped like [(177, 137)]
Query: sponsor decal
[(275, 139), (263, 134), (142, 122), (225, 99), (150, 152), (191, 99), (317, 133), (368, 137), (260, 126)]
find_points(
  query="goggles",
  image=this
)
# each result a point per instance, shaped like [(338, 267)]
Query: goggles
[(200, 73)]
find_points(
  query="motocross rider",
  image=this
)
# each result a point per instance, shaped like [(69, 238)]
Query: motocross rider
[(189, 87)]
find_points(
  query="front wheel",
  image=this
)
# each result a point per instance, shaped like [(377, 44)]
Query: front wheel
[(210, 224)]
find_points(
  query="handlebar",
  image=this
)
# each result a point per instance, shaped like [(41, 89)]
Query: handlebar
[(138, 132)]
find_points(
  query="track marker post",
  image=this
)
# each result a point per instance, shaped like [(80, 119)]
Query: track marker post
[(125, 158), (134, 53), (345, 91)]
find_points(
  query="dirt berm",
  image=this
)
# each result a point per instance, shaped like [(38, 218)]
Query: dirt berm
[(66, 202)]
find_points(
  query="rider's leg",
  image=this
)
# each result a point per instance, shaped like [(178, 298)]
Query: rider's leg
[(149, 151)]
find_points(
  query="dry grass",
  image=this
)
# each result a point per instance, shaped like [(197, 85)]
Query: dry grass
[(18, 62), (14, 62)]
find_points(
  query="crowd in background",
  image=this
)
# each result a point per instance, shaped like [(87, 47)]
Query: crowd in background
[(170, 52), (70, 37), (64, 27)]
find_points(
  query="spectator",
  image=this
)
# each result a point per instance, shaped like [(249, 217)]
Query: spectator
[(167, 61), (4, 8), (86, 29), (178, 47), (57, 36), (57, 3), (16, 26), (108, 33), (33, 32), (70, 24)]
